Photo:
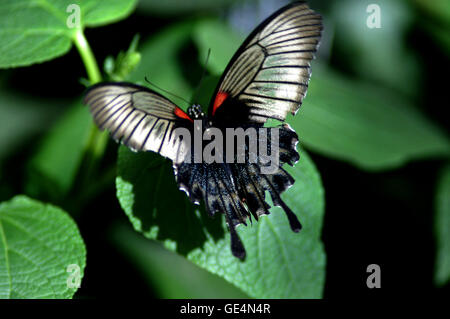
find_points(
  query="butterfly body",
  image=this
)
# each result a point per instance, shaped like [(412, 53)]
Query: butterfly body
[(266, 79)]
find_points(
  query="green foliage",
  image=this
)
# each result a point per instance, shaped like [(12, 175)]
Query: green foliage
[(171, 275), (223, 42), (37, 244), (53, 168), (439, 9), (118, 69), (369, 126), (155, 206), (160, 62), (33, 31), (21, 118), (371, 48), (436, 21), (442, 226), (173, 7)]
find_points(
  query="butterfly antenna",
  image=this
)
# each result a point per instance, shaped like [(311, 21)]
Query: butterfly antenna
[(165, 91), (203, 75)]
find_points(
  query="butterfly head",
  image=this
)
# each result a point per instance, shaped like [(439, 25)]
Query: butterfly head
[(195, 112)]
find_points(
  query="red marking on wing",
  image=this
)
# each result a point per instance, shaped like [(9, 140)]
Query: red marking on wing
[(181, 114), (220, 98)]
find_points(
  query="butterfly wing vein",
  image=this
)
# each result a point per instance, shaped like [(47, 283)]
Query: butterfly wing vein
[(271, 70)]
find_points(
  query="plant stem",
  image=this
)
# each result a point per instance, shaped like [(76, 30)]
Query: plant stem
[(97, 141), (87, 56)]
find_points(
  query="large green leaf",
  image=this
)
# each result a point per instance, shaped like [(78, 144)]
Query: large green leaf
[(366, 125), (279, 263), (442, 228), (41, 251), (33, 31)]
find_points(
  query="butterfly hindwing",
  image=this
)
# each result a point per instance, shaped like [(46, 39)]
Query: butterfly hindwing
[(141, 119), (268, 76)]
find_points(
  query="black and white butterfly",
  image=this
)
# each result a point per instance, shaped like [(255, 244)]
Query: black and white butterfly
[(267, 78)]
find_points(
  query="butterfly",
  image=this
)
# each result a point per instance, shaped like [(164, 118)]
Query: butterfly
[(267, 78)]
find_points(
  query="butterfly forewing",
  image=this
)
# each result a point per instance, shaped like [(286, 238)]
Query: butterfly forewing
[(269, 74), (141, 119)]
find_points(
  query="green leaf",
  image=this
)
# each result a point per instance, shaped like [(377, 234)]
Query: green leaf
[(95, 13), (377, 54), (438, 9), (168, 7), (442, 229), (366, 125), (33, 31), (371, 127), (223, 42), (38, 242), (279, 263), (119, 69), (169, 274), (53, 168)]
